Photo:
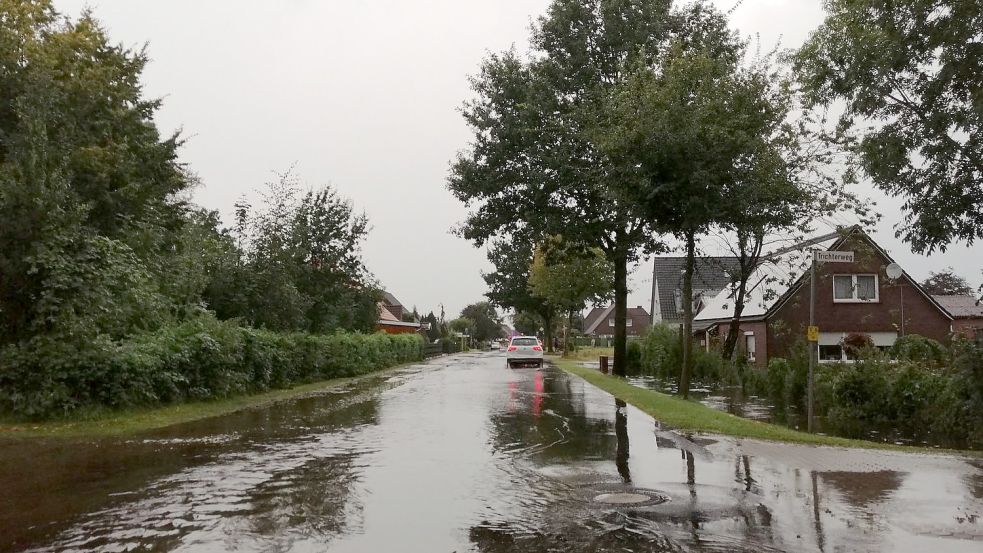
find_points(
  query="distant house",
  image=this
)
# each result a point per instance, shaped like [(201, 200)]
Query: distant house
[(392, 305), (712, 275), (967, 314), (599, 323), (391, 318), (851, 299)]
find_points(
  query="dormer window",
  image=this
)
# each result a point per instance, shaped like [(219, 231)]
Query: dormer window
[(855, 288)]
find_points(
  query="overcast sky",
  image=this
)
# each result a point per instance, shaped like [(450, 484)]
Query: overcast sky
[(364, 95)]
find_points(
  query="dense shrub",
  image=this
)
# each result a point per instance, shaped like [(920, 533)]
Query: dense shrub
[(876, 390), (200, 359), (914, 347), (660, 352), (633, 358)]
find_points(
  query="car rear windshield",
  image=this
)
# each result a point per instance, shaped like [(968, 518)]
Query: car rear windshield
[(525, 342)]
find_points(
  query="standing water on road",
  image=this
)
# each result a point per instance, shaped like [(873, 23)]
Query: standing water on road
[(462, 454)]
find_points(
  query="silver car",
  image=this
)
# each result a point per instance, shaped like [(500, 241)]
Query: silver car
[(524, 351)]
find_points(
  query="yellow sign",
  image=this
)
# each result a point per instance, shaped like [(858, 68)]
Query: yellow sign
[(813, 333)]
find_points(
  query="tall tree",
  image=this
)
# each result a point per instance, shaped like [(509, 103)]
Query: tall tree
[(301, 264), (911, 76), (88, 188), (568, 278), (487, 324), (946, 283), (508, 284), (698, 131), (533, 167)]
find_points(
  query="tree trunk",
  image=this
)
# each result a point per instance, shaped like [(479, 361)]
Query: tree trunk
[(730, 343), (687, 336), (749, 247), (566, 333), (620, 315), (548, 332)]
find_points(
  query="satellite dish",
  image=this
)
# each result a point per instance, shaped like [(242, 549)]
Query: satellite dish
[(894, 271)]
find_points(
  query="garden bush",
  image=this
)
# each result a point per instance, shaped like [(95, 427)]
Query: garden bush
[(199, 359), (914, 347)]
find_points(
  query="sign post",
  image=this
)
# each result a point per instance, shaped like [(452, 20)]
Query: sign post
[(813, 331)]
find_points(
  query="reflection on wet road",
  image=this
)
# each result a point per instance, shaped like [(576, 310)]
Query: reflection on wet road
[(462, 454)]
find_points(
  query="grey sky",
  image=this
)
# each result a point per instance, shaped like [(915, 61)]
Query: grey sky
[(364, 95)]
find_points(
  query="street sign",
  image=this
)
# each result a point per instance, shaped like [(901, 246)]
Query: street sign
[(813, 334), (834, 257)]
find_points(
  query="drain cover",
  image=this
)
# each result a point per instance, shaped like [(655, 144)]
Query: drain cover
[(623, 498)]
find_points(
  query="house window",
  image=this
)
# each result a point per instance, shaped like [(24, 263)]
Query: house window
[(611, 323), (627, 322), (855, 288), (830, 353), (750, 346)]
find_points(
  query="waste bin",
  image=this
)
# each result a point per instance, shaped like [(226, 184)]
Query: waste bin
[(604, 364)]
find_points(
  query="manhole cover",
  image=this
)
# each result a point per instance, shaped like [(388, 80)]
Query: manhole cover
[(623, 498)]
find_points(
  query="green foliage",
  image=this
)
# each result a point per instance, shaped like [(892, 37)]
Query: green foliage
[(568, 279), (486, 324), (946, 283), (202, 358), (88, 188), (908, 75), (633, 358), (920, 349), (298, 264), (532, 169), (915, 393), (661, 351)]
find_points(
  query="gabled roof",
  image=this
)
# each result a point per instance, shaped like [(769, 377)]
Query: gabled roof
[(776, 281), (385, 315), (601, 314), (856, 231), (711, 274), (777, 273), (961, 306), (389, 299), (595, 317)]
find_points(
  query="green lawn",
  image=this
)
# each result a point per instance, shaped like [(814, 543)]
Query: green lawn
[(690, 415), (117, 423)]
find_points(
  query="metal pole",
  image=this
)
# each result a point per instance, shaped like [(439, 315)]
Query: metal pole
[(813, 346), (902, 307)]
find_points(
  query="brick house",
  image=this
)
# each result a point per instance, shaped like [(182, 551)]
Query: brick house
[(967, 314), (599, 323), (851, 298), (391, 318)]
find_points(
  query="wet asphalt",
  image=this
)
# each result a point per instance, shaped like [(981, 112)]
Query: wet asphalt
[(462, 454)]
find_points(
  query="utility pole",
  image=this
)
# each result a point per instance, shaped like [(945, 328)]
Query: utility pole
[(813, 343)]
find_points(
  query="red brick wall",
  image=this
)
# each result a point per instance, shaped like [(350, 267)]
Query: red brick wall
[(967, 327), (920, 315), (397, 329)]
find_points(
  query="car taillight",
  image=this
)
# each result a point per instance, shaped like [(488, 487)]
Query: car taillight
[(512, 348), (537, 348)]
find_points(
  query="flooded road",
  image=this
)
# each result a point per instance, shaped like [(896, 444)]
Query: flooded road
[(462, 454)]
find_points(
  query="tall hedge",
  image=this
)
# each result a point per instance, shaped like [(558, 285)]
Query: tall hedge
[(199, 359)]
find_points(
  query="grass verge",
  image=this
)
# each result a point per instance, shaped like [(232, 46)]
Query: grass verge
[(132, 421), (685, 415)]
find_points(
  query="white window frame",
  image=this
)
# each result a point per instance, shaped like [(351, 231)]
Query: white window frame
[(751, 355), (628, 322), (855, 299)]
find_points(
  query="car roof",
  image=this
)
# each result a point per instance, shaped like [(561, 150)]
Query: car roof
[(533, 337)]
